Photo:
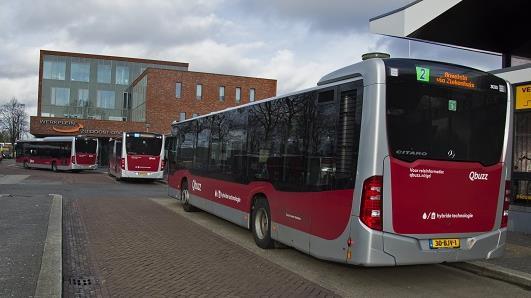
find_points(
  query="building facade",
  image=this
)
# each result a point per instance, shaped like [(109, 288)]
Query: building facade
[(179, 95), (103, 96), (82, 86)]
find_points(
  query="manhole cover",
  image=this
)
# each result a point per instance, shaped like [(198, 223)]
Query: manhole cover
[(81, 281)]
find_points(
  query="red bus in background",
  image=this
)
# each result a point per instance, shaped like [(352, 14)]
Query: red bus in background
[(58, 153), (137, 155)]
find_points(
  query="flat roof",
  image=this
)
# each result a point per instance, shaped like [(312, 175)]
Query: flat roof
[(118, 58), (489, 26), (189, 72)]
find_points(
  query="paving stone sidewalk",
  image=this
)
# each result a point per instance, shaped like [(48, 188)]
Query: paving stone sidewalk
[(137, 248), (514, 267), (517, 253), (23, 225)]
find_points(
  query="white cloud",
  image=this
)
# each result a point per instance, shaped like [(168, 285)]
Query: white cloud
[(329, 16), (295, 42), (23, 89)]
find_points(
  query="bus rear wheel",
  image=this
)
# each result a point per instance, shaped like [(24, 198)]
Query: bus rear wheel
[(185, 198), (261, 224), (54, 166), (25, 165)]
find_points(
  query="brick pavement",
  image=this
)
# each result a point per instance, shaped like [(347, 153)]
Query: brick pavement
[(138, 248)]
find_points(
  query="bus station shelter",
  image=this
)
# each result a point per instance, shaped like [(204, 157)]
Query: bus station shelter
[(495, 27)]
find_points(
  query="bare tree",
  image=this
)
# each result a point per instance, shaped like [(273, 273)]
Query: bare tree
[(14, 120)]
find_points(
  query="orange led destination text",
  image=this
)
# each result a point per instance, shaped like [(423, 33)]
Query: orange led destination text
[(455, 79)]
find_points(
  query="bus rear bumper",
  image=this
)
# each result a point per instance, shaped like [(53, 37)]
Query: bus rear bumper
[(142, 174), (408, 250), (84, 167)]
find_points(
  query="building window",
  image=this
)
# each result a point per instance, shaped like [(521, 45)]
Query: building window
[(54, 70), (104, 73), (105, 99), (194, 115), (182, 116), (251, 94), (122, 75), (79, 72), (238, 94), (60, 96), (221, 93), (178, 87), (198, 91), (127, 100), (82, 97)]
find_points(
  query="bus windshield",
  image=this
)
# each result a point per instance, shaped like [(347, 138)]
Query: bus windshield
[(86, 145), (143, 144), (453, 114)]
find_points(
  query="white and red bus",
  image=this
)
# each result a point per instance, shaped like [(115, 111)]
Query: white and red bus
[(386, 162), (58, 153), (137, 155)]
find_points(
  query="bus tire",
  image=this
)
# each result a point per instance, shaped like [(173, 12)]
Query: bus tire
[(261, 224), (25, 165), (185, 198), (54, 166)]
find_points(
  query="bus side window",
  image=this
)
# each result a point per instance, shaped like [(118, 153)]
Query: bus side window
[(262, 120), (236, 148), (335, 127), (186, 146), (321, 163), (202, 141), (170, 153)]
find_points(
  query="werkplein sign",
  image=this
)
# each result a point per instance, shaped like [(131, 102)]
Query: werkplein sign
[(74, 127)]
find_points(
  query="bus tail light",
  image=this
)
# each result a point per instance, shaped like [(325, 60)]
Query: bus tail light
[(73, 159), (371, 203), (122, 163), (506, 202), (162, 165)]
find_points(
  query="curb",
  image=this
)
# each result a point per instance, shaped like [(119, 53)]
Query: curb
[(50, 281), (515, 277)]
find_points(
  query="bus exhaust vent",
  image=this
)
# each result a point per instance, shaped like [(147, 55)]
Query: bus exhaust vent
[(375, 55)]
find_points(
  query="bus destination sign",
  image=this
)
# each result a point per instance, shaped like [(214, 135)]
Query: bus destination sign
[(444, 78), (455, 79)]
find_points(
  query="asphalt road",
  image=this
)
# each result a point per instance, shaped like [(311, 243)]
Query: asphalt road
[(129, 239)]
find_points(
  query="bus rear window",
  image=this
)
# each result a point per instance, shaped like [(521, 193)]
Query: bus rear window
[(86, 145), (435, 122), (144, 145)]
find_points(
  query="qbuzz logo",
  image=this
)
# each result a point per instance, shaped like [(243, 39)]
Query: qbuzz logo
[(196, 185), (473, 176)]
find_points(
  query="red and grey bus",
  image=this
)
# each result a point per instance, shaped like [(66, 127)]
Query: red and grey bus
[(386, 162), (137, 155), (58, 153)]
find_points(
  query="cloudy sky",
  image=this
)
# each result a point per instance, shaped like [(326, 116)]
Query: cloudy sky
[(293, 41)]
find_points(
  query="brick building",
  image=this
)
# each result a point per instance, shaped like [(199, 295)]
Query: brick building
[(102, 96)]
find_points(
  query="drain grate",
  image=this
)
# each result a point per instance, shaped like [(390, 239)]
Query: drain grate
[(81, 281)]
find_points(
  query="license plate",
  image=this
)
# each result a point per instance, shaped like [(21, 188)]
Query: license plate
[(445, 243), (142, 174)]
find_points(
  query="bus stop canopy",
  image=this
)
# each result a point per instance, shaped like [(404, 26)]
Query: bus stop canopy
[(500, 27)]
